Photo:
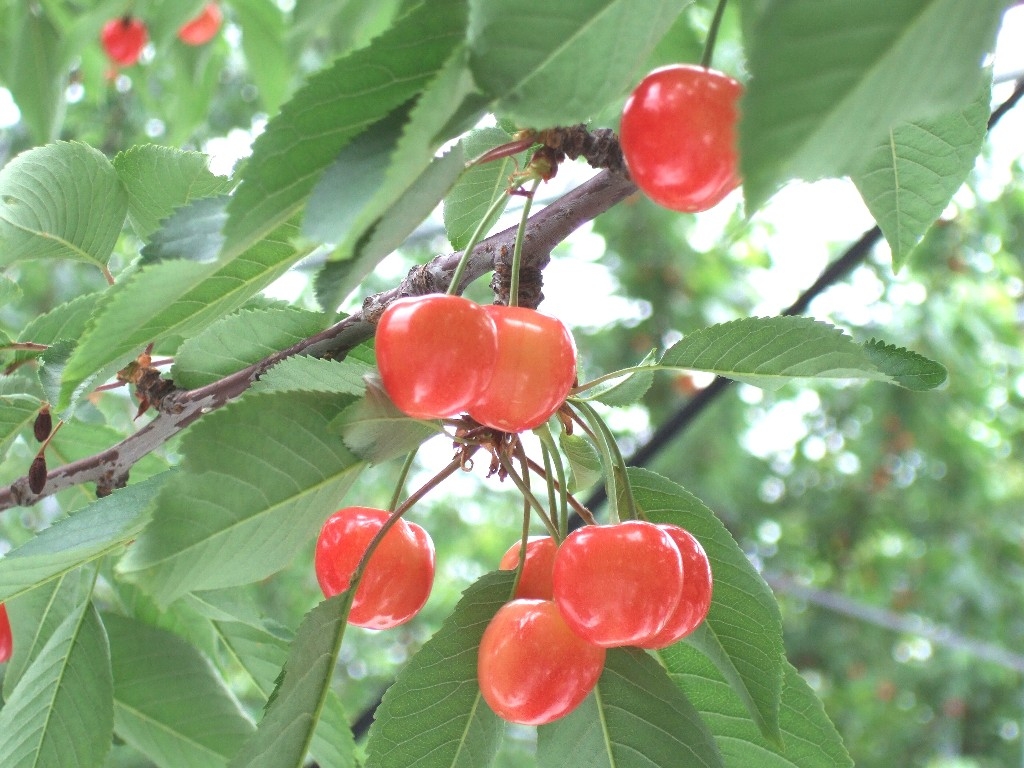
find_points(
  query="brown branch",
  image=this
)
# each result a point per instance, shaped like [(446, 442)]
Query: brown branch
[(178, 408)]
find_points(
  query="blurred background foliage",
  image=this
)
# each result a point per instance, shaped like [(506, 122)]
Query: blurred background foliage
[(890, 523)]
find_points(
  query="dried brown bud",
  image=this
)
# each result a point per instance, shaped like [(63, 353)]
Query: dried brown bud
[(37, 474), (43, 425)]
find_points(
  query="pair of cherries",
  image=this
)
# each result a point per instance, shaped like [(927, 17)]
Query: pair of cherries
[(510, 368)]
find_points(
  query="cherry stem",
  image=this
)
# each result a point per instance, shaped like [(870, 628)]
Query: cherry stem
[(485, 222), (527, 494), (523, 539), (452, 467), (709, 45), (403, 475), (558, 484), (576, 504), (517, 250), (617, 482)]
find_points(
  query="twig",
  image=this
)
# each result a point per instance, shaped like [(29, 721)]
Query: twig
[(178, 408)]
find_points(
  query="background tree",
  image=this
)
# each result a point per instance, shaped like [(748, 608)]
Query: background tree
[(152, 624)]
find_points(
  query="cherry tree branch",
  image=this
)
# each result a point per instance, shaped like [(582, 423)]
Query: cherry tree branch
[(178, 408)]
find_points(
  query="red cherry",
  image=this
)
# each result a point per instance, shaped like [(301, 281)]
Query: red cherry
[(435, 353), (203, 28), (617, 584), (535, 583), (6, 636), (535, 370), (678, 136), (695, 596), (398, 578), (532, 669), (123, 39)]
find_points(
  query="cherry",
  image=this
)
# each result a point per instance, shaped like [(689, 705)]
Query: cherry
[(535, 369), (6, 637), (695, 596), (617, 584), (398, 578), (531, 667), (123, 39), (435, 354), (535, 582), (203, 28), (678, 136)]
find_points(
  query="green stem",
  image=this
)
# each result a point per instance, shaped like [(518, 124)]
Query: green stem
[(517, 250), (617, 481), (709, 45), (551, 458), (528, 494), (616, 375), (403, 475), (521, 565), (478, 233)]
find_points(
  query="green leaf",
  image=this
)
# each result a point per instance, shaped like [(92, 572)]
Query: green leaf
[(173, 298), (16, 413), (829, 78), (159, 179), (259, 477), (434, 716), (478, 187), (60, 201), (636, 718), (585, 467), (37, 614), (191, 232), (338, 278), (560, 63), (743, 630), (906, 368), (287, 728), (910, 177), (767, 351), (375, 430), (239, 340), (810, 740), (309, 374), (105, 526), (168, 702), (65, 321), (37, 76), (267, 61), (61, 711), (628, 389), (334, 107), (261, 653), (404, 183)]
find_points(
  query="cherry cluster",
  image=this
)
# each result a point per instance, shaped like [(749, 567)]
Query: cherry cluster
[(634, 583), (509, 368), (124, 38)]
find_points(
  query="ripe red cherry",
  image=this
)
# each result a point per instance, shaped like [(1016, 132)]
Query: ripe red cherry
[(678, 136), (531, 668), (435, 354), (398, 578), (123, 39), (535, 370), (203, 28), (617, 584), (695, 597), (535, 583), (6, 636)]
